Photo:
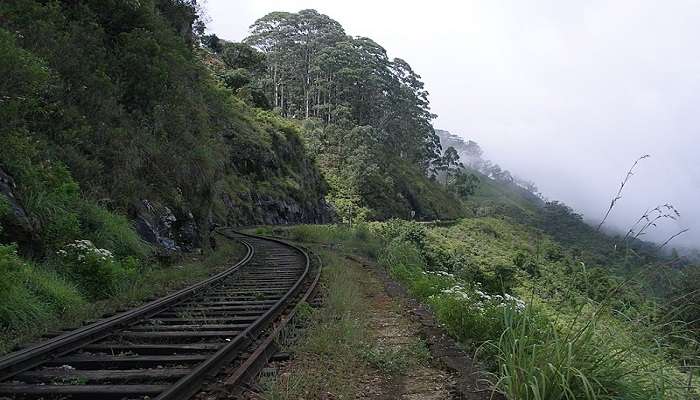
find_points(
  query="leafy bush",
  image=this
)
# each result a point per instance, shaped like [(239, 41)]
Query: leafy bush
[(96, 270), (467, 312)]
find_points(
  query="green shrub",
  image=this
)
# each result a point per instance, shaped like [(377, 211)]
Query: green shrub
[(95, 270), (31, 294)]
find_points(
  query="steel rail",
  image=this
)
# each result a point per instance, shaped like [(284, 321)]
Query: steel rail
[(190, 384), (128, 322), (252, 365), (22, 360)]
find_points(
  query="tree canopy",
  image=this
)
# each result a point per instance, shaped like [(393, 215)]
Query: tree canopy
[(315, 70)]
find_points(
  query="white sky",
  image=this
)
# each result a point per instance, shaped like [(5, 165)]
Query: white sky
[(564, 93)]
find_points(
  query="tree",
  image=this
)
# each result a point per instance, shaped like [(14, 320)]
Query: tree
[(450, 160), (213, 42), (315, 70), (240, 55), (294, 42), (363, 106), (472, 153), (465, 184)]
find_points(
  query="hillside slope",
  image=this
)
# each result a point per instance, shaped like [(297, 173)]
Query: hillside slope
[(119, 152), (365, 117), (503, 195), (125, 140), (108, 106)]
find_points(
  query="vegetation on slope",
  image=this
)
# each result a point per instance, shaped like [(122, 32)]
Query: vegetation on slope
[(111, 122), (124, 138), (366, 117), (553, 307), (546, 324)]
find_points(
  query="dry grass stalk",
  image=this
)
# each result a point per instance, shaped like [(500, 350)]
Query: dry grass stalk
[(618, 196)]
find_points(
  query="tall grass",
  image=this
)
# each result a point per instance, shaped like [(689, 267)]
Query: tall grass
[(35, 298), (538, 359), (112, 231), (30, 294), (542, 352)]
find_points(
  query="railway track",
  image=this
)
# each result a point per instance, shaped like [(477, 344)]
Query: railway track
[(169, 348)]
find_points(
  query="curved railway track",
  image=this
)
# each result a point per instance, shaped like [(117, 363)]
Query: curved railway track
[(168, 348)]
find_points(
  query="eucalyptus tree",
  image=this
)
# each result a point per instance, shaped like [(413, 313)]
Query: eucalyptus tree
[(450, 163), (316, 70), (367, 116), (292, 42)]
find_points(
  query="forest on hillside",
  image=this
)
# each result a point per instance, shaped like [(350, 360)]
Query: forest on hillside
[(365, 117)]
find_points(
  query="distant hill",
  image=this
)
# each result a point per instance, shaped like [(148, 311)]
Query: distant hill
[(502, 194)]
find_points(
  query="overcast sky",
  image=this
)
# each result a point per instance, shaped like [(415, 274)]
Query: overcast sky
[(564, 93)]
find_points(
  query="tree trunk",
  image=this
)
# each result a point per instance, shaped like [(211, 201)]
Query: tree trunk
[(330, 97), (306, 95), (275, 84)]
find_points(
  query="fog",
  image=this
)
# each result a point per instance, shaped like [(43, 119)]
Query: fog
[(566, 94)]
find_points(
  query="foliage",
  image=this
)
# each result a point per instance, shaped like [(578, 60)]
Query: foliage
[(367, 118), (582, 332), (114, 98), (464, 184), (41, 299), (29, 294), (96, 270), (538, 360), (365, 182)]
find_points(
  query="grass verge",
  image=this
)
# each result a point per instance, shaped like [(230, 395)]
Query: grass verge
[(38, 300), (337, 348), (536, 326)]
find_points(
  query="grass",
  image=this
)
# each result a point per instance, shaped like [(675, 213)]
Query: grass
[(398, 360), (564, 344), (329, 357), (337, 349), (355, 239), (584, 360), (35, 300), (29, 293)]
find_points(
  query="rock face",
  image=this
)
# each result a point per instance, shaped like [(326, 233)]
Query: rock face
[(171, 232), (176, 231), (16, 223), (268, 180), (254, 209)]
